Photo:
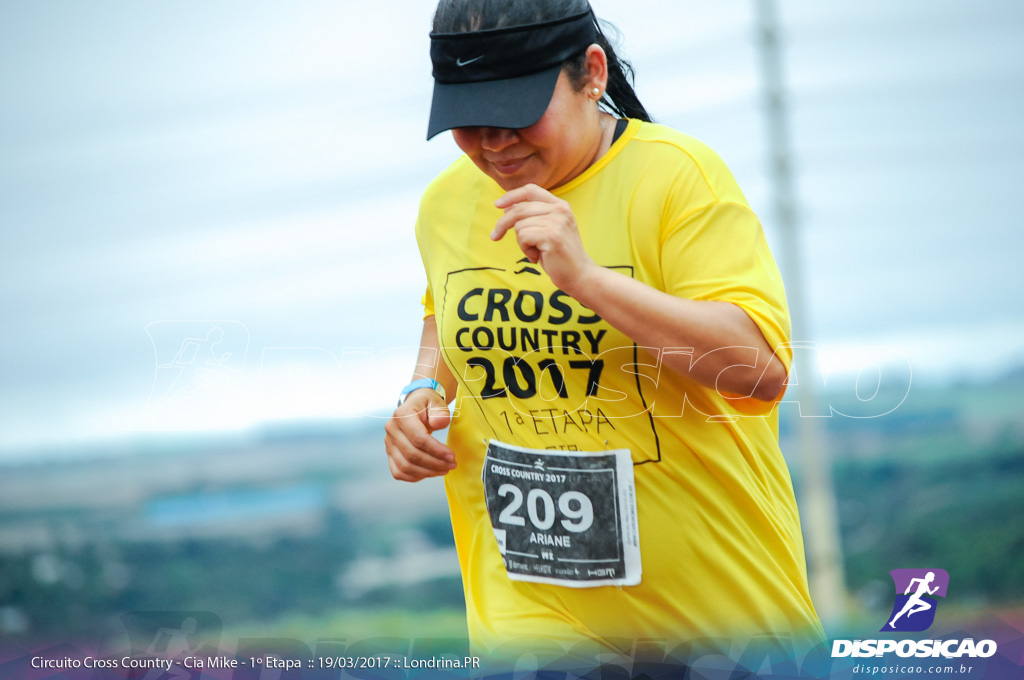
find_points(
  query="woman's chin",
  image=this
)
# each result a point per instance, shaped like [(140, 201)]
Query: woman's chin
[(510, 183), (513, 175)]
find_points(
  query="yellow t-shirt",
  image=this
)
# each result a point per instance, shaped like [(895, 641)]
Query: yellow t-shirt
[(720, 541)]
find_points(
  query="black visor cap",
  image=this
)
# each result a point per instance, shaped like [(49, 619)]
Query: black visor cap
[(502, 77), (492, 103)]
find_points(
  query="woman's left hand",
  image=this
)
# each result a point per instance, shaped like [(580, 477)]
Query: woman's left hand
[(546, 231)]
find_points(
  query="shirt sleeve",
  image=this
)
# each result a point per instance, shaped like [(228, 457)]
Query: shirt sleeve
[(719, 252), (428, 303)]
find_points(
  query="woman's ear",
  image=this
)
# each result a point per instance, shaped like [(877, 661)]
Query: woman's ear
[(597, 68)]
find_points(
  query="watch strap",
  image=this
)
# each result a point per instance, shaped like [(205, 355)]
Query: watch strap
[(419, 384)]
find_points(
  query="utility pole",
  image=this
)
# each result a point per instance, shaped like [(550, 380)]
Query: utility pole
[(818, 502)]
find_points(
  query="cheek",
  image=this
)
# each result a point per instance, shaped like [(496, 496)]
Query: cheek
[(468, 140), (542, 135), (554, 135)]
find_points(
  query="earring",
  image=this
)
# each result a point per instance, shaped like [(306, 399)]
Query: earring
[(596, 92)]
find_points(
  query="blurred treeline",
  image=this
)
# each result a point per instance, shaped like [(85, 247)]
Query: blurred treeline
[(938, 482), (308, 526), (72, 593)]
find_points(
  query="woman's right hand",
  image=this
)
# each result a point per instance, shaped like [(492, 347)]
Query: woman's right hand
[(413, 453)]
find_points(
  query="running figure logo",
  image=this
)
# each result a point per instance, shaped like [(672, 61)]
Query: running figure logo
[(198, 379), (914, 609)]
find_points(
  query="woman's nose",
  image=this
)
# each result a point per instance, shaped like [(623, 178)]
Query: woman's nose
[(496, 139)]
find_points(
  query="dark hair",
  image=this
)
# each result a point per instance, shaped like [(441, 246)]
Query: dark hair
[(463, 16)]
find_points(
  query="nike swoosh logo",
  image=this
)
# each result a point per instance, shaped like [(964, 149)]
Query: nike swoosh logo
[(459, 62)]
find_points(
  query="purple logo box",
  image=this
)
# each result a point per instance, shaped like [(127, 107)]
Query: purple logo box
[(916, 590)]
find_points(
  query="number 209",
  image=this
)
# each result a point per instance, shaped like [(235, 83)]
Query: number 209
[(540, 507)]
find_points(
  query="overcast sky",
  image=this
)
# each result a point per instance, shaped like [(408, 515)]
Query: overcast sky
[(256, 166)]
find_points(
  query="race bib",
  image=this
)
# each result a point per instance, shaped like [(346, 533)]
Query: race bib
[(564, 517)]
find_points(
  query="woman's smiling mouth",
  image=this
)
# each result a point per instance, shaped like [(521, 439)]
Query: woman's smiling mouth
[(509, 166)]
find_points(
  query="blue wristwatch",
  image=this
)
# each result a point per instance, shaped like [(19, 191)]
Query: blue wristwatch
[(417, 384)]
